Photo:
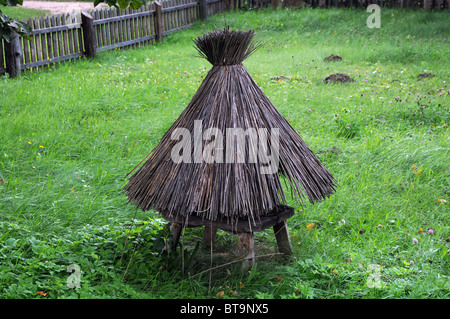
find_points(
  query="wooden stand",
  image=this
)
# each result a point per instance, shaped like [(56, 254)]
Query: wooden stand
[(243, 229)]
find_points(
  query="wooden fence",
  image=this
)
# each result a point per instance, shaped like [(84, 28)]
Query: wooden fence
[(70, 36)]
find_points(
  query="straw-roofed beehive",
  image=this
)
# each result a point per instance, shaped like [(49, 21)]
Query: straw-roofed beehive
[(228, 190)]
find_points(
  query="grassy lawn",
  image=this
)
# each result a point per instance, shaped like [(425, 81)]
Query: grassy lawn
[(71, 133), (20, 13)]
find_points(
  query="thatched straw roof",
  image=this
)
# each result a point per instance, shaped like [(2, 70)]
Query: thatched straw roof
[(228, 98)]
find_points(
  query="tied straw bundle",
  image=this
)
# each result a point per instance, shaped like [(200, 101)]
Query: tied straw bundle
[(228, 98)]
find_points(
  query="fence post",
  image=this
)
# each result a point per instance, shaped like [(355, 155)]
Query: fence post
[(427, 4), (90, 39), (13, 56), (159, 22), (202, 10)]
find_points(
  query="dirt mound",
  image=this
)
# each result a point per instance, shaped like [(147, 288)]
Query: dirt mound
[(333, 57), (338, 77), (425, 75)]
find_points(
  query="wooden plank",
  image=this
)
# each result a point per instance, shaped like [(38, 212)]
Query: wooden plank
[(159, 21), (66, 44), (111, 28), (126, 43), (123, 29), (57, 28), (173, 15), (144, 26), (177, 14), (76, 46), (137, 28), (80, 37), (60, 37), (37, 41), (175, 229), (246, 248), (94, 14), (281, 232), (151, 26), (182, 15), (103, 27), (209, 236), (178, 7), (43, 40), (177, 29), (116, 28), (106, 38), (54, 37), (131, 29), (124, 17), (70, 35), (49, 38), (32, 43), (128, 25), (202, 9), (54, 60), (2, 61), (89, 35), (165, 16), (26, 52)]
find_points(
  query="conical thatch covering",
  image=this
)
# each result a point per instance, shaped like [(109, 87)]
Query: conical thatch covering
[(227, 188)]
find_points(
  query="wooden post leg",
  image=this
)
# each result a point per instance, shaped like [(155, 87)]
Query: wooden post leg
[(175, 228), (209, 236), (246, 246), (283, 239)]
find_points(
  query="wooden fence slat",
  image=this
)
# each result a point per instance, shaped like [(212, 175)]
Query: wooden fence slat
[(37, 41), (111, 28), (124, 27), (76, 47), (49, 38), (26, 52), (128, 25), (43, 40), (70, 35), (65, 36), (116, 26), (60, 37), (54, 38), (107, 39)]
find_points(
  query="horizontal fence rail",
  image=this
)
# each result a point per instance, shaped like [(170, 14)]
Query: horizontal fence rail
[(70, 36)]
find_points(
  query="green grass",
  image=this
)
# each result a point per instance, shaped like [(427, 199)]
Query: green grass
[(71, 133), (20, 13)]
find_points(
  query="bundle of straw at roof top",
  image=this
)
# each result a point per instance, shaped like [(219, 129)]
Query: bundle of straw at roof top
[(227, 190)]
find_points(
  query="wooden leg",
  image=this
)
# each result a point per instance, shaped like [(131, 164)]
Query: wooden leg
[(283, 239), (246, 247), (175, 228), (209, 236)]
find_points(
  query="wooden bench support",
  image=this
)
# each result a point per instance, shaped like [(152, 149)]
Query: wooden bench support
[(175, 229), (243, 229), (209, 236), (246, 249), (283, 239)]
